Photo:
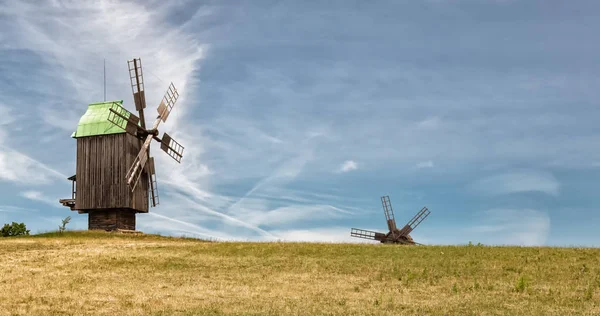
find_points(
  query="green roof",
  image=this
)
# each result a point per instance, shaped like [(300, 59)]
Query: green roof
[(95, 120)]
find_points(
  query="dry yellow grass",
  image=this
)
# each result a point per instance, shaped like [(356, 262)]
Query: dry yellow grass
[(107, 274)]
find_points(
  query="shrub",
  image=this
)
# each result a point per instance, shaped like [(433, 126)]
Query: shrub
[(14, 229), (522, 285), (65, 221)]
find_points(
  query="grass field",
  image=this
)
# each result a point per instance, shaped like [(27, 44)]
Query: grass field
[(80, 273)]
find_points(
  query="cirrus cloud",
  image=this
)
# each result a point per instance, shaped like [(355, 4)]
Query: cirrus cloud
[(347, 166), (518, 181)]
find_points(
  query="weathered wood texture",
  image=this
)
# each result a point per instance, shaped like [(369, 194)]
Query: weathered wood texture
[(102, 163), (111, 219)]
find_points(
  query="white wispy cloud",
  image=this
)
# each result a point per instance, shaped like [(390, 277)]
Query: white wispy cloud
[(425, 164), (348, 165), (430, 123), (15, 166), (319, 234), (518, 181), (14, 209), (158, 223), (32, 195), (20, 168), (292, 214), (7, 116), (499, 226), (68, 35), (525, 227), (41, 197)]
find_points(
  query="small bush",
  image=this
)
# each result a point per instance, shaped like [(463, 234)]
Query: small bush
[(521, 285), (14, 229), (65, 221)]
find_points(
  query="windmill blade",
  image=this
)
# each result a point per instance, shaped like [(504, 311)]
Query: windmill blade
[(171, 147), (124, 119), (415, 221), (136, 77), (389, 213), (366, 234), (168, 102), (153, 188), (135, 171)]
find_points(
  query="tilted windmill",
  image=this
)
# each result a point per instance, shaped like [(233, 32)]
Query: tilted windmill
[(115, 176), (395, 235)]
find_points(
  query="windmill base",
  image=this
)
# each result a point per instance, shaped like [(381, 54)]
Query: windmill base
[(114, 219), (404, 240)]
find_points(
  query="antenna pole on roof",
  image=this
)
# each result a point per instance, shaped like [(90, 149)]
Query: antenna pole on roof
[(104, 79)]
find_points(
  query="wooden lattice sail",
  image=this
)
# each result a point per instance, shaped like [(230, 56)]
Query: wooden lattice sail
[(394, 235)]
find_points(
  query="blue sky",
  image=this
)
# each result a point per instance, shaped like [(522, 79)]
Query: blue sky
[(297, 116)]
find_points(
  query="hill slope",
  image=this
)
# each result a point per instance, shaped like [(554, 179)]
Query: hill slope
[(111, 274)]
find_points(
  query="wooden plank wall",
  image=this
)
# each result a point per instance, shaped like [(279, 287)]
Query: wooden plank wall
[(102, 163)]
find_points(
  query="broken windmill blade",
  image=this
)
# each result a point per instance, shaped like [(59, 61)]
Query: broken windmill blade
[(394, 235), (389, 214), (366, 234), (415, 221)]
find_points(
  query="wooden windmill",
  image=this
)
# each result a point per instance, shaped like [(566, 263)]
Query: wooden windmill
[(395, 235), (115, 175)]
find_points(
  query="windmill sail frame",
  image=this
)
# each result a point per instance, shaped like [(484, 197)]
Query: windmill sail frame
[(394, 235)]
